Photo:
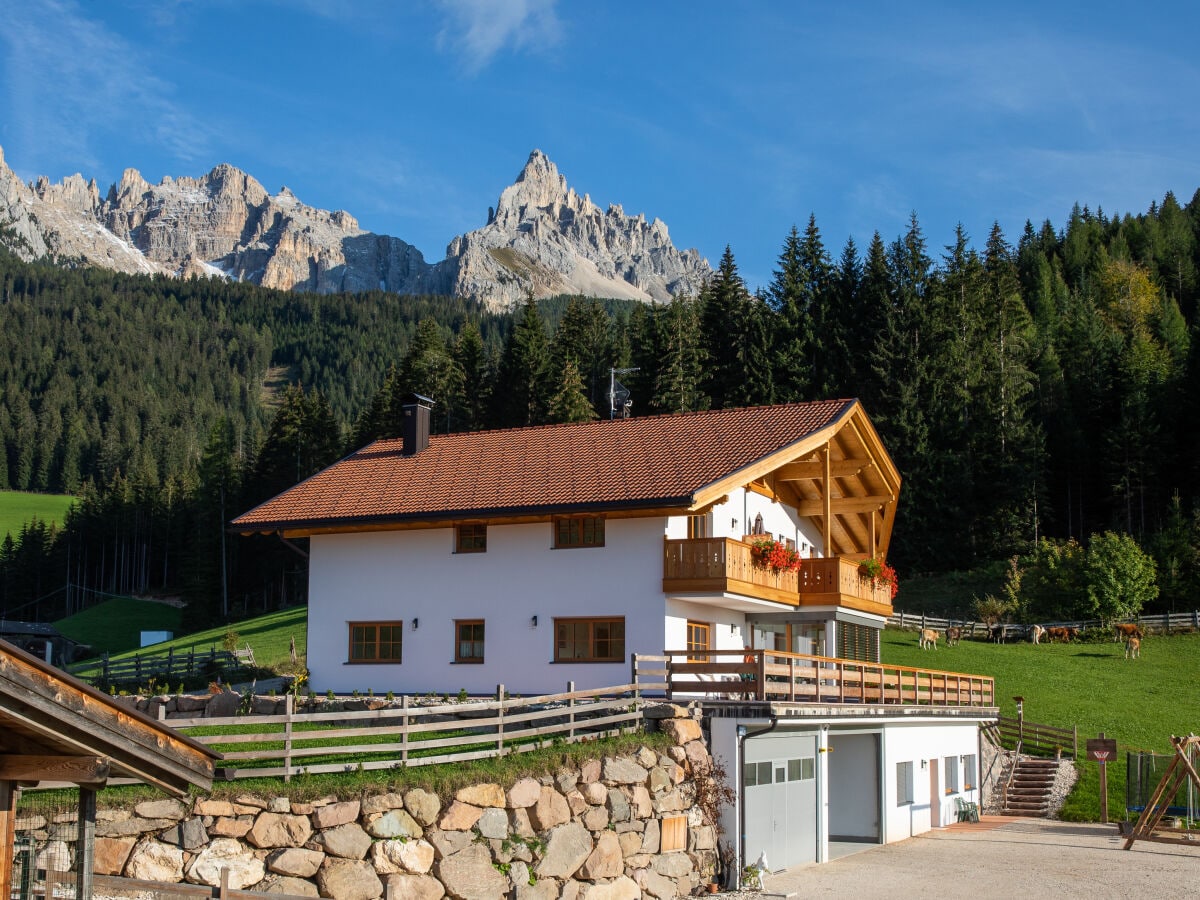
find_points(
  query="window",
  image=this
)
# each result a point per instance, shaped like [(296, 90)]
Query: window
[(698, 526), (470, 538), (969, 772), (589, 640), (755, 774), (579, 531), (372, 642), (468, 640), (698, 637), (803, 769), (904, 783), (951, 763), (859, 642)]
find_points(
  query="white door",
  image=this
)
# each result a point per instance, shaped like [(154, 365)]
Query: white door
[(780, 795)]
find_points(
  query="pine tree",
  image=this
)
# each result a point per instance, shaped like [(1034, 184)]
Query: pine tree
[(522, 383), (680, 358), (584, 335), (569, 402)]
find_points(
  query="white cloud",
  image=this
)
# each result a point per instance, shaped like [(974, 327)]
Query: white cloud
[(68, 81), (477, 30)]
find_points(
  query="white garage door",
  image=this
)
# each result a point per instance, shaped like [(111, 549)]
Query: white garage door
[(780, 794)]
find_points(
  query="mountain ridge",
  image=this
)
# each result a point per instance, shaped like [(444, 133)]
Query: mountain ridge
[(542, 238)]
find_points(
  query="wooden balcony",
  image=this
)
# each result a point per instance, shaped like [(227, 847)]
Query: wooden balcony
[(725, 566), (775, 676)]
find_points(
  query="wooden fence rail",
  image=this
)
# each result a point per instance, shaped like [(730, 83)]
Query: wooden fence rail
[(793, 677), (167, 665), (1155, 621), (1038, 739), (409, 735)]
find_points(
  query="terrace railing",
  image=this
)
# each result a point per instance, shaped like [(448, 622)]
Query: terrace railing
[(769, 675)]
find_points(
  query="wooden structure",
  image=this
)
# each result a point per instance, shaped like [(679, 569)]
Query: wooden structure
[(776, 676), (1148, 826), (54, 728)]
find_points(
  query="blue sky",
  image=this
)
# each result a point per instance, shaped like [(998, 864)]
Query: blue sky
[(729, 121)]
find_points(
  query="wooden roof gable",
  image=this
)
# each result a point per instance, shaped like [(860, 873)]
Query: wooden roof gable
[(48, 715)]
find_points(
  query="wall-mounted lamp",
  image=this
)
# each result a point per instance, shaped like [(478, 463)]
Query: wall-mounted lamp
[(533, 622), (415, 623), (924, 763), (732, 628)]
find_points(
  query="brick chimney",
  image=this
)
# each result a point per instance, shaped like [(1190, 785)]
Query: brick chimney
[(415, 429)]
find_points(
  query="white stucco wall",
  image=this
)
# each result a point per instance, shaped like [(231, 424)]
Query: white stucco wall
[(402, 575), (920, 743)]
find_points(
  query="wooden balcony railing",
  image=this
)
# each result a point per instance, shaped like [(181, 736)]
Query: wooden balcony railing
[(724, 565), (768, 675), (837, 575)]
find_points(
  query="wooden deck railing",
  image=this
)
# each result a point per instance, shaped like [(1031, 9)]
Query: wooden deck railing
[(838, 575), (767, 675)]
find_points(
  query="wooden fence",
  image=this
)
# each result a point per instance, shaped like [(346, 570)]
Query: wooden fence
[(793, 677), (1038, 739), (409, 735), (167, 665), (1155, 622)]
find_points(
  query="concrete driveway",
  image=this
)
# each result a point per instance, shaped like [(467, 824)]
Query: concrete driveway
[(1002, 858)]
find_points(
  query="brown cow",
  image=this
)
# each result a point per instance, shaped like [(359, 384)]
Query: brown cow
[(1059, 633), (1133, 648), (929, 638), (953, 635), (1126, 630)]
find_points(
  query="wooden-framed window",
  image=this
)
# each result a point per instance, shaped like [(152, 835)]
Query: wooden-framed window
[(699, 637), (589, 640), (698, 526), (470, 537), (376, 642), (579, 531), (468, 640)]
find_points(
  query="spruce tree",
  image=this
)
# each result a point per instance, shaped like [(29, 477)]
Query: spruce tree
[(569, 402), (522, 382)]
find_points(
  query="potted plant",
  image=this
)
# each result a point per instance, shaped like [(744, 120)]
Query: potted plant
[(768, 553), (879, 572)]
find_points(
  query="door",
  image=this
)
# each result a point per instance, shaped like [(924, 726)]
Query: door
[(780, 796), (935, 795)]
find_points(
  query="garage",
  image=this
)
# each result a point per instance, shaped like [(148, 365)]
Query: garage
[(779, 775)]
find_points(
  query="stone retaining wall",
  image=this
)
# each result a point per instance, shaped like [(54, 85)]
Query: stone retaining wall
[(596, 833)]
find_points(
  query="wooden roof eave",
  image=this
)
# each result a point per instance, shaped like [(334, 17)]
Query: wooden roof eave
[(75, 719)]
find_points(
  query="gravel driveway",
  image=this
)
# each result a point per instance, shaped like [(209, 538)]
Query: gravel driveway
[(1002, 858)]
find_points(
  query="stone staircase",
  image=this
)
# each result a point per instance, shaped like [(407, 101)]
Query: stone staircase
[(1028, 792)]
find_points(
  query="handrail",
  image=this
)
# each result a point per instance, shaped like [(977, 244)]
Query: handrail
[(1012, 773)]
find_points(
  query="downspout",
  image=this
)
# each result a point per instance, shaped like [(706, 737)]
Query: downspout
[(741, 848)]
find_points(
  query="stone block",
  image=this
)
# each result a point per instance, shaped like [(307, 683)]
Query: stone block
[(349, 879), (470, 875)]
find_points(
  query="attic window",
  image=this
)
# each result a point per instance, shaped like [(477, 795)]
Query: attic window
[(579, 531), (470, 538)]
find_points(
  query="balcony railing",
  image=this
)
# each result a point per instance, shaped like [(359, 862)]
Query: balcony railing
[(768, 675), (725, 565)]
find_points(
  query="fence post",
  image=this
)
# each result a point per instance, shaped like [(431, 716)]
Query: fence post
[(289, 709), (223, 894), (404, 729), (170, 662), (633, 671), (1075, 741), (1195, 620), (571, 712), (760, 677), (500, 723), (922, 621)]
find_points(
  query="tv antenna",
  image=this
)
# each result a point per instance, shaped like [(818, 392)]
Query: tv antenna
[(618, 394)]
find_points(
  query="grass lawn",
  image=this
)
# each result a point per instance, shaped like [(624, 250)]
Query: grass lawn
[(115, 625), (1140, 702), (269, 636), (18, 508)]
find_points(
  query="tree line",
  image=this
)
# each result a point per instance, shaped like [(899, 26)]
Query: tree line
[(1042, 390)]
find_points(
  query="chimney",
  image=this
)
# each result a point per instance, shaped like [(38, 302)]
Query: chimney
[(415, 428)]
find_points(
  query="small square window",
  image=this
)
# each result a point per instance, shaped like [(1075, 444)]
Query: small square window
[(470, 538), (468, 640)]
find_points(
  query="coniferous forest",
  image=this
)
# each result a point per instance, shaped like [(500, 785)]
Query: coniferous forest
[(1044, 385)]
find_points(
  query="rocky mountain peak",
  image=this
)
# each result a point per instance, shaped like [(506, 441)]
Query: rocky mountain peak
[(542, 238)]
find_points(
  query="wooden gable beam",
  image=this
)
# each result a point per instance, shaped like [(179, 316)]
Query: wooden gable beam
[(814, 469), (73, 769), (842, 505)]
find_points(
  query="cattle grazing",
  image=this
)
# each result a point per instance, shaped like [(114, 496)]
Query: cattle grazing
[(1035, 633), (1126, 630), (953, 635), (929, 638), (1133, 648), (999, 633), (1061, 634), (1072, 633)]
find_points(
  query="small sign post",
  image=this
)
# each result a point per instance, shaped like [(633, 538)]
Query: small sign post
[(1102, 749)]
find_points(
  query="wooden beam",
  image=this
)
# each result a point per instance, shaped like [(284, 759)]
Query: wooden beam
[(813, 468), (841, 505), (8, 824), (826, 504), (75, 769), (85, 842)]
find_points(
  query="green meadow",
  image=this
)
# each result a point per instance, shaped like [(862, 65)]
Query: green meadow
[(1139, 702), (18, 508)]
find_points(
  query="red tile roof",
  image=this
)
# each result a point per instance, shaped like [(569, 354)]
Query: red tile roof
[(651, 462)]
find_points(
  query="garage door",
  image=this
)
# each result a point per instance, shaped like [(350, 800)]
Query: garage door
[(780, 794)]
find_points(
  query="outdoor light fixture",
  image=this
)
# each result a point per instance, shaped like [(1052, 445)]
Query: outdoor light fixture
[(415, 623), (924, 763), (533, 622)]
